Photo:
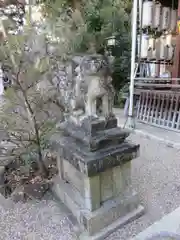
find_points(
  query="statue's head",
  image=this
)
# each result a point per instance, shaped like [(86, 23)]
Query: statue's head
[(93, 65)]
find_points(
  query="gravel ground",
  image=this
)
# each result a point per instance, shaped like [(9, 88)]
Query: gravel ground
[(155, 176), (44, 220)]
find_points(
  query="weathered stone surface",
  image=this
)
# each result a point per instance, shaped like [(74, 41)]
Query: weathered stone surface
[(18, 195), (6, 160), (2, 169), (120, 222), (117, 180), (74, 177), (126, 175), (94, 179), (92, 193), (95, 190), (91, 163), (2, 190), (106, 180), (85, 190), (103, 138), (108, 213), (93, 126)]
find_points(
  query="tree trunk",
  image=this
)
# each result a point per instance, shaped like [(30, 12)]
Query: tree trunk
[(40, 160), (41, 164), (76, 4)]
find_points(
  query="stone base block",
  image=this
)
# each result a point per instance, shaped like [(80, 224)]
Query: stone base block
[(138, 212), (101, 222)]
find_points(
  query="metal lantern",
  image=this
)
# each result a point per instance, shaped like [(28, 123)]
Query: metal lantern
[(157, 15), (147, 16), (111, 41)]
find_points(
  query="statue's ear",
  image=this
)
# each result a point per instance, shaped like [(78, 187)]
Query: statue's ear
[(77, 69)]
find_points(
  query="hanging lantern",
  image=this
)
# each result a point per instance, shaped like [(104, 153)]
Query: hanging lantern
[(144, 46), (157, 15), (157, 47), (111, 41), (154, 69), (1, 82), (138, 45), (169, 40), (147, 16), (111, 44), (170, 53), (151, 49), (162, 70), (165, 21), (173, 19), (151, 43), (163, 48)]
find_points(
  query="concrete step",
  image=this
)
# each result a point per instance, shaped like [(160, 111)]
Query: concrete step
[(167, 228)]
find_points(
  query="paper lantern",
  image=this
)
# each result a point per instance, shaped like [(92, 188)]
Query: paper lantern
[(165, 18), (147, 16), (144, 46), (157, 15), (173, 20), (163, 48)]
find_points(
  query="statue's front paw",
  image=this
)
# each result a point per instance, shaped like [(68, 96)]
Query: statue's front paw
[(93, 116), (73, 104)]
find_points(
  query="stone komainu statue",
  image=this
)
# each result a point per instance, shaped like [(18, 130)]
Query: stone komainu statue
[(91, 80)]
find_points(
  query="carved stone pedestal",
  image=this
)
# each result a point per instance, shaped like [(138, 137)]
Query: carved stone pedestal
[(94, 179)]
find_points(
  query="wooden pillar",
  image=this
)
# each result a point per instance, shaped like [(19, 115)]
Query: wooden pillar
[(176, 64)]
